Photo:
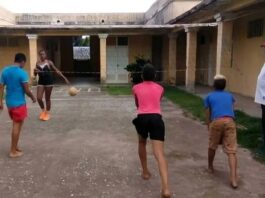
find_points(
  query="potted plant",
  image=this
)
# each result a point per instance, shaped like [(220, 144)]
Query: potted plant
[(135, 69)]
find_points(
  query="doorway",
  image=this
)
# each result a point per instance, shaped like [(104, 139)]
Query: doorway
[(117, 60), (80, 57)]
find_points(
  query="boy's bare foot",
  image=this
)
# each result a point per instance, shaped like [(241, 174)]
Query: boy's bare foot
[(19, 150), (234, 184), (15, 155), (165, 194), (211, 169), (146, 176)]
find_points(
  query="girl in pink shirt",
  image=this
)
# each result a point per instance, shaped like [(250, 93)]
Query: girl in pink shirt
[(149, 123)]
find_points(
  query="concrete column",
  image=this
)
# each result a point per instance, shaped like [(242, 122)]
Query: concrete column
[(191, 58), (103, 57), (33, 52), (224, 45), (172, 59)]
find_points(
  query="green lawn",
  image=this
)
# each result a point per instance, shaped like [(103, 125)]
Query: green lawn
[(249, 128), (190, 103), (249, 135), (119, 90)]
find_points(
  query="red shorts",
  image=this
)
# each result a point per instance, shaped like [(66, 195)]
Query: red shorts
[(18, 114)]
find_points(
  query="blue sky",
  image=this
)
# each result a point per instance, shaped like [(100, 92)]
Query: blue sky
[(76, 6)]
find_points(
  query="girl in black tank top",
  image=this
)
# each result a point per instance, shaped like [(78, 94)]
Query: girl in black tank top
[(45, 74), (45, 69)]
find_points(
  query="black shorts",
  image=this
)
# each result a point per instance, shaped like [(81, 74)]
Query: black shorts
[(45, 79), (150, 125)]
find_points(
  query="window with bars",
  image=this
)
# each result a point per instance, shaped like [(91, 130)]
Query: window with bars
[(122, 41), (12, 42), (255, 28), (9, 42), (3, 42)]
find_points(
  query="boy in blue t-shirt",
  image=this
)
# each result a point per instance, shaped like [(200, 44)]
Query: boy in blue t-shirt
[(15, 79), (220, 116)]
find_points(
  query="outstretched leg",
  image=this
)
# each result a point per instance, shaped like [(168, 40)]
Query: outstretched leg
[(211, 155), (230, 147), (158, 150), (15, 138), (143, 157), (48, 92), (40, 92), (20, 128), (215, 138), (232, 160)]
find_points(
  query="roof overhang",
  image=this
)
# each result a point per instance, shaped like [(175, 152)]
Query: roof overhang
[(73, 30), (229, 9)]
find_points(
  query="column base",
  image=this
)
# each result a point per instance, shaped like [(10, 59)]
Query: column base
[(103, 82), (172, 81), (190, 88)]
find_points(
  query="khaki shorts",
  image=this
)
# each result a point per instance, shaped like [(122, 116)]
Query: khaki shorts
[(223, 131)]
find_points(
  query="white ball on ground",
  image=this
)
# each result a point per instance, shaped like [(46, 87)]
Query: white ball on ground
[(73, 91)]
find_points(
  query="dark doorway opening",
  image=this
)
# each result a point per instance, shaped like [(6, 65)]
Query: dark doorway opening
[(157, 46)]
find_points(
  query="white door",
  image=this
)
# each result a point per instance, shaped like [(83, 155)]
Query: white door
[(111, 64), (122, 62), (211, 66), (117, 60)]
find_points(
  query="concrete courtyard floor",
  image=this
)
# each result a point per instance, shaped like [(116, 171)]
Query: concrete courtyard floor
[(89, 149)]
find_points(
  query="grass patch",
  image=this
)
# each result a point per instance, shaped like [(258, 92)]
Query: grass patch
[(249, 136), (119, 90), (190, 103), (249, 128)]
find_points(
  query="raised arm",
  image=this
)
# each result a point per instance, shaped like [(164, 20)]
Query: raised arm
[(136, 101), (58, 72), (2, 87), (36, 71), (162, 95)]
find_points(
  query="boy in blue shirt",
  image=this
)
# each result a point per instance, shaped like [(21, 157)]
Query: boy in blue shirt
[(220, 116), (15, 79)]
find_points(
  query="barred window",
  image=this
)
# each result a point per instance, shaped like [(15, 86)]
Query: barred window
[(12, 42), (255, 28), (3, 42), (9, 42), (122, 41)]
